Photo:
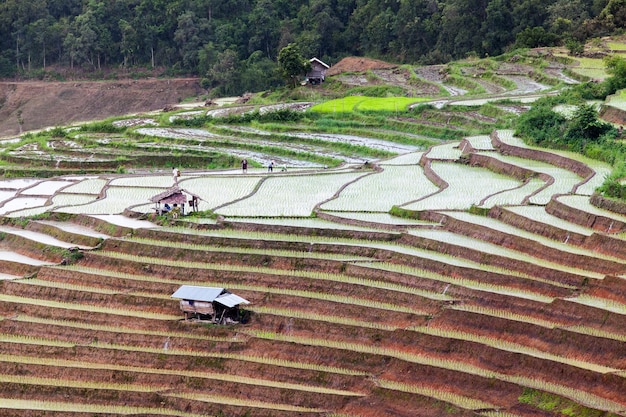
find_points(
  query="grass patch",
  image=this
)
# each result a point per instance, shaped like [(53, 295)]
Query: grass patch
[(558, 405), (364, 103)]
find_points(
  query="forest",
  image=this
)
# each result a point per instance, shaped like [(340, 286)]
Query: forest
[(234, 44)]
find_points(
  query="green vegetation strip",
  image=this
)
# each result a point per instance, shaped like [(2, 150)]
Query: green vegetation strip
[(254, 235), (409, 250), (117, 329), (463, 282), (306, 315), (512, 347), (234, 249), (323, 296), (364, 103), (580, 396), (500, 313), (68, 383), (137, 369), (314, 275), (460, 401), (219, 399), (85, 307), (10, 338), (558, 405), (81, 407)]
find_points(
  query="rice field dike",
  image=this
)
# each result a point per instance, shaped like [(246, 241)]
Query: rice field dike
[(456, 247)]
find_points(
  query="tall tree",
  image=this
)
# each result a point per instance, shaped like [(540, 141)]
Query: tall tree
[(496, 28), (190, 35), (461, 26), (417, 28), (263, 26), (291, 63)]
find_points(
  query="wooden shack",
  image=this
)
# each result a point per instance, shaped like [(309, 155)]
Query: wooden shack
[(214, 304), (317, 74), (175, 196)]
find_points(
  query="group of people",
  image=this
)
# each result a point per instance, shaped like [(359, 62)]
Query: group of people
[(174, 211), (270, 166)]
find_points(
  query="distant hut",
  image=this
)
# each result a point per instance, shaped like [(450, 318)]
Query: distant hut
[(209, 303), (175, 195), (318, 71)]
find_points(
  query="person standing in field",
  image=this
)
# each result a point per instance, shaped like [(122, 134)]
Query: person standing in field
[(175, 174), (244, 166), (270, 167)]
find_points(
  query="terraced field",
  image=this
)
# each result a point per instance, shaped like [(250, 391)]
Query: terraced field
[(353, 312), (425, 262)]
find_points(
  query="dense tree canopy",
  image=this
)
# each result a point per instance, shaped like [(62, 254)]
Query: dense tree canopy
[(191, 36)]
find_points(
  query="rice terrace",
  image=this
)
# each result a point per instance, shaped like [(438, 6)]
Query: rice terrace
[(407, 256)]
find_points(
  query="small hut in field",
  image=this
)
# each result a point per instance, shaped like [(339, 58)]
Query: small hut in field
[(317, 74), (209, 303), (175, 196)]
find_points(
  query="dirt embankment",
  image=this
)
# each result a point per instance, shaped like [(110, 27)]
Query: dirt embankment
[(26, 106)]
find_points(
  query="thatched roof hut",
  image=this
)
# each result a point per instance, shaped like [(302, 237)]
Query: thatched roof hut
[(176, 196)]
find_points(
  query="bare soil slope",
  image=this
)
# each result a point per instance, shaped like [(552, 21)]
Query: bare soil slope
[(31, 105)]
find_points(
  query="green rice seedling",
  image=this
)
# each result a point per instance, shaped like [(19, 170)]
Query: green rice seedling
[(84, 407), (238, 401), (85, 307), (341, 105), (326, 297), (313, 275), (365, 103), (511, 347), (579, 395), (299, 314), (583, 203), (59, 200), (601, 303), (450, 260), (87, 186), (30, 340), (67, 383), (460, 179), (456, 239), (124, 330), (116, 201), (285, 253), (515, 196), (201, 374), (445, 151), (593, 68), (618, 100), (66, 286), (511, 230), (480, 142), (499, 413), (402, 184), (33, 380), (461, 401), (592, 331), (539, 213), (616, 46), (300, 195), (505, 314), (388, 104)]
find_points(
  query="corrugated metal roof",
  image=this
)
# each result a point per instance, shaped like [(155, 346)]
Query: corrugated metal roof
[(192, 292), (209, 294), (231, 300)]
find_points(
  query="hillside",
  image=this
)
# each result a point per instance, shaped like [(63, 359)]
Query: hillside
[(399, 259), (28, 105)]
